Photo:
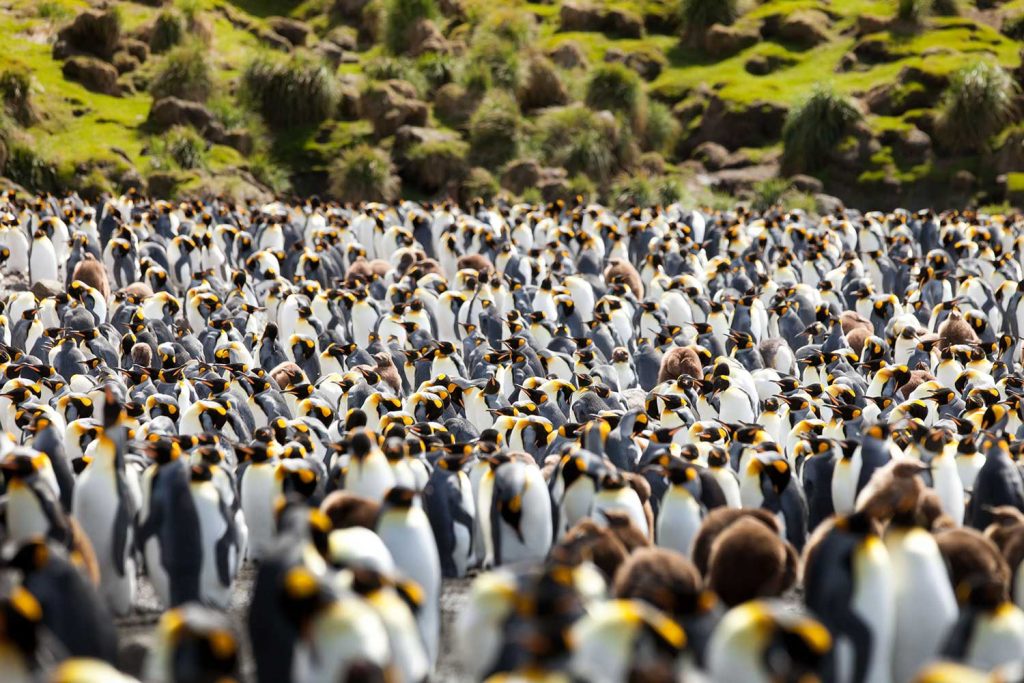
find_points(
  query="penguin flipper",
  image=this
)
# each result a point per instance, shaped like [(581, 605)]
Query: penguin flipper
[(224, 544), (122, 537)]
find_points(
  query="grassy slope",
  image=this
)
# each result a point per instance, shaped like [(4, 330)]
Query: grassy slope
[(81, 126)]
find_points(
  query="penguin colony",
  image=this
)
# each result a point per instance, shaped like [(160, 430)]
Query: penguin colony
[(637, 431)]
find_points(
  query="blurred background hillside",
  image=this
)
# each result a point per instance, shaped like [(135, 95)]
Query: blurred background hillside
[(878, 103)]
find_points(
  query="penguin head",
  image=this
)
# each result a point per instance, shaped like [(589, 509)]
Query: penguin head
[(199, 644), (20, 619)]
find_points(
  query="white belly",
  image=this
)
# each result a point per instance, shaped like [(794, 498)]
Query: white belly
[(679, 519)]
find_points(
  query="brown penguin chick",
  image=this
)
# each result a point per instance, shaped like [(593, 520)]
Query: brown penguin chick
[(626, 530), (346, 510), (856, 338), (142, 355), (750, 560), (287, 374), (359, 272), (478, 262), (620, 270), (852, 320), (589, 541), (680, 360), (972, 560), (425, 266), (643, 492), (388, 372), (1007, 522), (930, 515), (93, 273), (717, 521), (380, 267), (662, 578), (137, 290), (893, 489), (917, 378), (954, 331)]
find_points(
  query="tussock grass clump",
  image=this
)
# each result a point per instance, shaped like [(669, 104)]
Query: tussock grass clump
[(180, 147), (185, 73), (511, 25), (364, 174), (1013, 26), (580, 140), (400, 16), (478, 184), (696, 16), (16, 91), (618, 89), (491, 63), (661, 129), (295, 92), (386, 68), (977, 104), (814, 127), (642, 189), (494, 130), (169, 30), (913, 11)]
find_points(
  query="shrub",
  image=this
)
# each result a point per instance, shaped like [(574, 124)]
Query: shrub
[(437, 68), (696, 16), (492, 63), (617, 88), (400, 16), (364, 174), (478, 184), (913, 11), (296, 92), (579, 140), (641, 189), (16, 90), (661, 129), (511, 25), (180, 147), (814, 127), (169, 30), (494, 130), (977, 104), (185, 73), (769, 193)]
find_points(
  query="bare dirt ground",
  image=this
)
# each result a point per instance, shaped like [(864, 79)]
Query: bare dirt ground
[(136, 630)]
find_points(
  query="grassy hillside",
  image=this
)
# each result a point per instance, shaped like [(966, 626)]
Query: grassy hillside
[(879, 102)]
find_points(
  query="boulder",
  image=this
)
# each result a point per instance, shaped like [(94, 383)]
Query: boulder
[(829, 204), (867, 24), (848, 62), (408, 137), (424, 36), (274, 40), (912, 147), (454, 105), (44, 289), (963, 181), (554, 184), (568, 55), (712, 155), (736, 126), (294, 31), (735, 179), (762, 65), (723, 41), (168, 112), (125, 63), (1010, 156), (348, 98), (330, 53), (389, 105), (805, 28), (806, 183), (350, 9), (576, 17), (623, 24), (874, 50), (93, 74), (342, 36), (136, 48), (542, 86), (239, 139), (521, 174), (434, 164), (93, 32), (647, 64)]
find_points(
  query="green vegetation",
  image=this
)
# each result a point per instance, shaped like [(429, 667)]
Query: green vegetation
[(814, 127), (978, 103), (614, 107), (364, 174), (186, 73), (294, 92)]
